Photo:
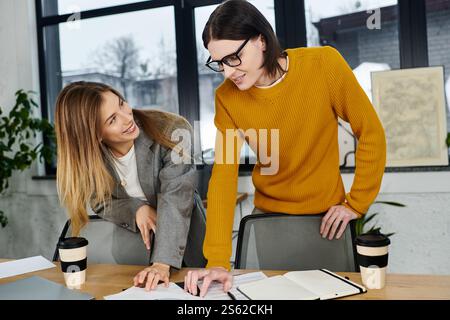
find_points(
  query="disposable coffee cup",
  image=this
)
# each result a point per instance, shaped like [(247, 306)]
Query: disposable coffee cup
[(73, 257), (372, 257)]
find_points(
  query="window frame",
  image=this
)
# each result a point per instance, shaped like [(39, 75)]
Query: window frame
[(291, 30)]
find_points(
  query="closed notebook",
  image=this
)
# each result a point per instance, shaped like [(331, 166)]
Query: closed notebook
[(301, 285), (37, 288)]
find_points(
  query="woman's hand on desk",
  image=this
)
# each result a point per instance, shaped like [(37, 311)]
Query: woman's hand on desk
[(146, 221), (150, 276), (219, 274), (336, 215)]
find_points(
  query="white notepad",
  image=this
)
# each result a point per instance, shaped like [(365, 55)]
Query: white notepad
[(215, 290), (21, 266), (301, 285)]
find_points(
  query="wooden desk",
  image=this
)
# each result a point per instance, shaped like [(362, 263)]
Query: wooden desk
[(103, 279)]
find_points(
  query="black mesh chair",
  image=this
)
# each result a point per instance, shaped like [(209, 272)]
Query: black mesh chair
[(274, 241), (110, 244)]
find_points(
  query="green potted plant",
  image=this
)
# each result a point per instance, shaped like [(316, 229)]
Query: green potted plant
[(362, 222), (16, 153)]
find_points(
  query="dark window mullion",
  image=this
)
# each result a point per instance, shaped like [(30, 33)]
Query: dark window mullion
[(202, 3), (187, 73), (50, 169), (412, 18), (94, 13), (290, 23)]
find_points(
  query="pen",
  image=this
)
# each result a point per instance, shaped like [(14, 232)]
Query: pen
[(232, 296)]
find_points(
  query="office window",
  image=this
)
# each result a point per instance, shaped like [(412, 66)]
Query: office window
[(58, 7), (366, 33), (210, 80), (134, 52), (438, 34)]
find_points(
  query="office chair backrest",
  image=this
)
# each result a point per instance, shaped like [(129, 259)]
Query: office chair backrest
[(110, 244), (272, 241)]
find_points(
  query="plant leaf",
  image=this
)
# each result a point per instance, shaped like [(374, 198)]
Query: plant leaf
[(369, 217), (3, 219), (391, 203), (15, 130)]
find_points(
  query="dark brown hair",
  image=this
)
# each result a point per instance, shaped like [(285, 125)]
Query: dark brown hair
[(240, 20)]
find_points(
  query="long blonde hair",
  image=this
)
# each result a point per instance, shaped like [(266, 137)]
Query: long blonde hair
[(82, 176)]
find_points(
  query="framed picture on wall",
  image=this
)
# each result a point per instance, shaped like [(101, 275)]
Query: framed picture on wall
[(411, 106)]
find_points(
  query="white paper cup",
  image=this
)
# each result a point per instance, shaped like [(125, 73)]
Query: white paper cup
[(372, 257), (73, 257)]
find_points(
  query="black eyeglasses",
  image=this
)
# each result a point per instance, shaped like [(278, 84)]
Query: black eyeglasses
[(231, 60)]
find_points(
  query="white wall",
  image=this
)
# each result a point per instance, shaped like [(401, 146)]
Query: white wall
[(420, 245), (35, 217)]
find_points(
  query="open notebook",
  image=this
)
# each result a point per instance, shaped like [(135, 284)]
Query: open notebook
[(301, 285)]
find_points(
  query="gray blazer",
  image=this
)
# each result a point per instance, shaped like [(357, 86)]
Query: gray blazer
[(168, 187)]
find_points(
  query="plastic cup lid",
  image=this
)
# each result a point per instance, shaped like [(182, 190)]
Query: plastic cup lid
[(72, 243), (372, 240)]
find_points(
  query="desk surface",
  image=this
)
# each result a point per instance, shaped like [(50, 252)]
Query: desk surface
[(104, 279)]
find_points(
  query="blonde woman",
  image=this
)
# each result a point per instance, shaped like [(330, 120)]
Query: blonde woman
[(118, 160)]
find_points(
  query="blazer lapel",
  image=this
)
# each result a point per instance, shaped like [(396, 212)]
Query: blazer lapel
[(119, 190), (145, 168), (145, 165)]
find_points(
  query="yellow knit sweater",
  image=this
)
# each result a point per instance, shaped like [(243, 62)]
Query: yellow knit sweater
[(318, 87)]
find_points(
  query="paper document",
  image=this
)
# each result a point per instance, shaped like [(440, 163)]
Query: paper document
[(21, 266), (215, 291), (175, 292)]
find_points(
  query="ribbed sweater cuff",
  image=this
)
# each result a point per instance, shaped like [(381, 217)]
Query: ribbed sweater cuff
[(359, 214), (219, 263)]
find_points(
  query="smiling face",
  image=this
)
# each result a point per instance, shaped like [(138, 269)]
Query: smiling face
[(118, 129), (249, 72)]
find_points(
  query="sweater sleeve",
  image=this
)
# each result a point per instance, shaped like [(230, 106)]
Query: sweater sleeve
[(352, 105), (222, 190)]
